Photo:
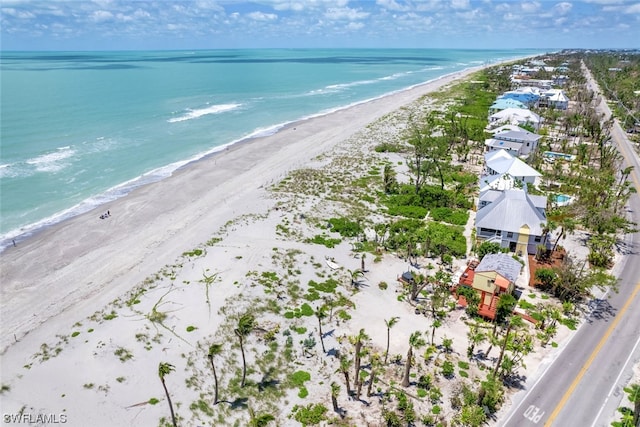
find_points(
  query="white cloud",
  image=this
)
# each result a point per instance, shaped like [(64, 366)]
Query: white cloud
[(460, 4), (392, 5), (289, 5), (101, 16), (511, 16), (562, 8), (260, 16), (355, 25), (634, 8), (530, 7), (342, 13), (22, 14), (560, 21)]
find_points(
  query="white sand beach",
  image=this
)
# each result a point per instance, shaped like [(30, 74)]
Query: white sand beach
[(77, 338)]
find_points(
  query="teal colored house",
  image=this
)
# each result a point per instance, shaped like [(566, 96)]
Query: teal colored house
[(504, 103)]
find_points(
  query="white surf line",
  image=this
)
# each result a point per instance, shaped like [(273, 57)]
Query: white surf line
[(542, 374), (615, 383)]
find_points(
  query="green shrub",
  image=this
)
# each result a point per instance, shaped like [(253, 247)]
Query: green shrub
[(312, 414), (306, 310), (324, 240), (298, 378), (345, 227), (452, 216), (303, 392)]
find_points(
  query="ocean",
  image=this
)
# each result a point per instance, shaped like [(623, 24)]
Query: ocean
[(79, 129)]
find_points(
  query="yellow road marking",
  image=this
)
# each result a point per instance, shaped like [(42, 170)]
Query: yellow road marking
[(593, 355)]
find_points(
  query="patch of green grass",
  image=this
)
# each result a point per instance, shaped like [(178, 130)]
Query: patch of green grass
[(110, 316), (303, 392), (322, 239), (569, 323), (153, 401), (299, 329), (75, 334), (123, 354), (193, 253), (463, 365), (422, 392), (191, 328), (298, 378)]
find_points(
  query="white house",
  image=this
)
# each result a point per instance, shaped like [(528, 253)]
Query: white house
[(515, 116), (516, 142), (500, 162), (554, 98), (514, 219)]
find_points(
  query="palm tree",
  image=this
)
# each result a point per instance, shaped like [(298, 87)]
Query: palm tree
[(345, 364), (357, 342), (375, 366), (475, 337), (321, 314), (335, 391), (415, 341), (246, 324), (259, 420), (354, 275), (214, 350), (390, 324), (163, 370), (567, 225)]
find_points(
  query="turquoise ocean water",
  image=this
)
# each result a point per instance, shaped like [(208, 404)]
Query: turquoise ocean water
[(79, 129)]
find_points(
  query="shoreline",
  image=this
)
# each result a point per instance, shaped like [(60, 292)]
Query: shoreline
[(72, 261), (157, 175)]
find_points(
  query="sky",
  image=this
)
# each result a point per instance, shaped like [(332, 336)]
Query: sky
[(213, 24)]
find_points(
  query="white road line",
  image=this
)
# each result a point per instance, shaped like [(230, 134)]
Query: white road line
[(615, 383)]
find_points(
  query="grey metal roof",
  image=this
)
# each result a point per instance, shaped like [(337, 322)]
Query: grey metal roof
[(503, 264), (510, 211), (517, 136), (496, 143)]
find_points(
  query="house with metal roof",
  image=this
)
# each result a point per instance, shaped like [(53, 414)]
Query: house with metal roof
[(527, 95), (554, 98), (495, 275), (517, 143), (504, 103), (514, 219), (515, 116), (500, 162)]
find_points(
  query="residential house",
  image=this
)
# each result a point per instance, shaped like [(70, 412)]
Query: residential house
[(554, 98), (500, 162), (504, 103), (513, 218), (517, 143), (527, 95), (495, 275), (515, 116), (523, 80)]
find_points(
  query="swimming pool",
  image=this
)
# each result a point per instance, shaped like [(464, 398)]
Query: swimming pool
[(556, 155), (562, 199)]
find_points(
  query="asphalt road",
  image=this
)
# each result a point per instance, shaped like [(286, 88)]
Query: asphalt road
[(582, 387)]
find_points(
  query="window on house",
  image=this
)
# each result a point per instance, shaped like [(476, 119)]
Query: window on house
[(537, 239), (510, 234)]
